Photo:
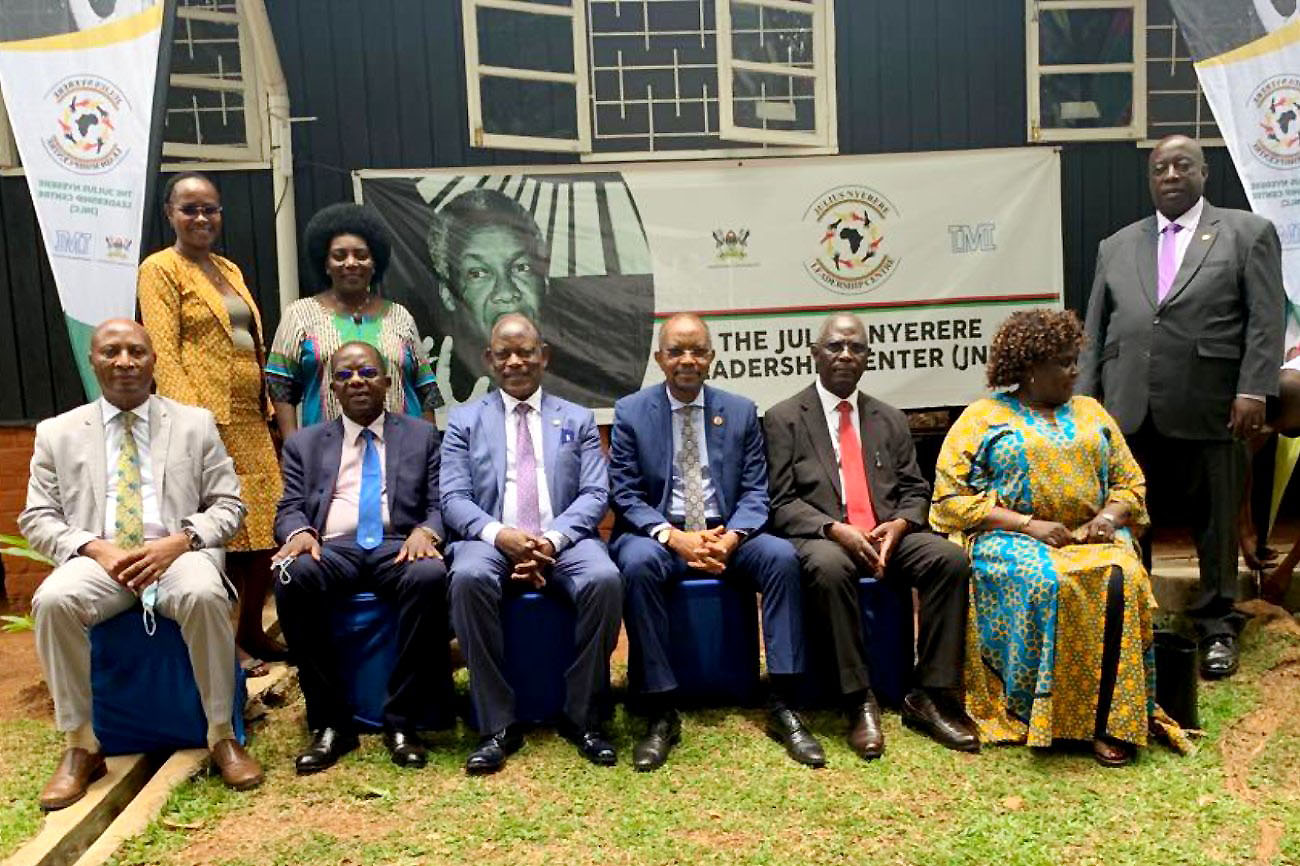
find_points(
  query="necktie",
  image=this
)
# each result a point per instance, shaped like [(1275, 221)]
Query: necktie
[(857, 496), (370, 510), (1168, 263), (688, 464), (528, 511), (128, 519)]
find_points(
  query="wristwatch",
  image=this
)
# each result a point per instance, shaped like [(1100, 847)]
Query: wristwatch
[(663, 535), (196, 543)]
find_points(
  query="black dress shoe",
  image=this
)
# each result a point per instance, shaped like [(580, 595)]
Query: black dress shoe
[(948, 727), (785, 726), (1219, 657), (327, 746), (865, 736), (664, 732), (591, 744), (406, 748), (492, 751)]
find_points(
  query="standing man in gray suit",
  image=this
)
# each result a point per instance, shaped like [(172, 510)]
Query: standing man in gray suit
[(1185, 328), (132, 496)]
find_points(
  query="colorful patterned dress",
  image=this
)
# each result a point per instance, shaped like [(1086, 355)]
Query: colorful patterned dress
[(309, 333), (1052, 630)]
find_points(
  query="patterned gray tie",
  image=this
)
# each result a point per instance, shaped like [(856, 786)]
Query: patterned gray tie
[(688, 464)]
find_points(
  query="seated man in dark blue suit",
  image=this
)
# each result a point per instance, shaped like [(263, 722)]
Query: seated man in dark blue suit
[(524, 486), (360, 513), (689, 483)]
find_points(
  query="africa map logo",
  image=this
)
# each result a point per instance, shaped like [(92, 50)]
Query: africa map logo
[(1277, 103), (87, 111), (852, 255)]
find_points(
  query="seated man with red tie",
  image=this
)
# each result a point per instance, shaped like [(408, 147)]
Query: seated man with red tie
[(847, 492), (360, 513)]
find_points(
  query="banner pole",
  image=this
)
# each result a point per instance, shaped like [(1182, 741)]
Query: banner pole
[(157, 121)]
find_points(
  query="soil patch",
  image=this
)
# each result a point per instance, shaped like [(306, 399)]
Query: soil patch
[(1247, 738), (23, 694)]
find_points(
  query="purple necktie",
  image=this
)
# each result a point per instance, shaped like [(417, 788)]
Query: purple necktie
[(1168, 263), (529, 514)]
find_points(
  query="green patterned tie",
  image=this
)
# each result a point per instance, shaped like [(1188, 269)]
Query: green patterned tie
[(688, 463), (128, 520)]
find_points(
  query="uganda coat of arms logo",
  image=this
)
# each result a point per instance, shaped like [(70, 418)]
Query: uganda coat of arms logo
[(852, 241), (84, 137), (1277, 106)]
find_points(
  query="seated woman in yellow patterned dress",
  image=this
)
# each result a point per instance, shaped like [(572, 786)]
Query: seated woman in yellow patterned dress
[(1046, 495)]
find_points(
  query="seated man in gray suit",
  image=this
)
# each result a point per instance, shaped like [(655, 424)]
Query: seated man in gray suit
[(524, 486), (128, 495)]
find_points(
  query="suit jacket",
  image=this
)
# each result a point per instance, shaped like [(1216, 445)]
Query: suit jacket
[(1218, 333), (194, 479), (641, 460), (190, 327), (474, 467), (310, 463), (806, 493)]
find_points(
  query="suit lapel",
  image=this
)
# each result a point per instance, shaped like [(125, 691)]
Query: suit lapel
[(494, 430), (815, 421), (160, 435), (552, 422), (1146, 260), (94, 432), (715, 433), (661, 419), (393, 442), (332, 455), (869, 428), (210, 294), (1203, 238)]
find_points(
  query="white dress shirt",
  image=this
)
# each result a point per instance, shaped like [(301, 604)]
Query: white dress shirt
[(152, 517), (832, 416), (510, 498), (342, 517)]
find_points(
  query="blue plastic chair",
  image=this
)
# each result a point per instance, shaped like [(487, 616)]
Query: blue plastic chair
[(364, 627), (890, 647)]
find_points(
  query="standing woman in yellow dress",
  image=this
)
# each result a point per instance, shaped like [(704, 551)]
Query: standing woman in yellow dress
[(207, 334)]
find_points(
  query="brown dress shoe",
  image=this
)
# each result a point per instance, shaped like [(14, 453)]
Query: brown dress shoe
[(865, 736), (238, 769), (947, 725), (74, 774)]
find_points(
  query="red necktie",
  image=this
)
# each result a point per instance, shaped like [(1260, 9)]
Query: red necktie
[(857, 496)]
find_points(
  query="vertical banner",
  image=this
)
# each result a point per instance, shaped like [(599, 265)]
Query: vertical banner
[(78, 79), (1247, 56)]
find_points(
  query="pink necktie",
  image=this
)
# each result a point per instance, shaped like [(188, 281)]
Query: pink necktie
[(1168, 264), (529, 514)]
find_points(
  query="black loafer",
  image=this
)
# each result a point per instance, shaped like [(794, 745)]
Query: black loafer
[(327, 746), (785, 726), (492, 752), (406, 748), (1219, 657), (591, 744), (951, 729), (865, 736), (664, 732)]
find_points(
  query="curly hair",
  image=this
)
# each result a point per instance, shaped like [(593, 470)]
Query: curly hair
[(451, 227), (346, 218), (1028, 338)]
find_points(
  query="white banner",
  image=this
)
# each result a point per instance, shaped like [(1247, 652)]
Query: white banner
[(933, 250), (1247, 55), (79, 93)]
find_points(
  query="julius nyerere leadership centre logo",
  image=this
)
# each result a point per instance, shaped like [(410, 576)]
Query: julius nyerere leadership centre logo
[(1277, 106), (852, 226), (86, 113)]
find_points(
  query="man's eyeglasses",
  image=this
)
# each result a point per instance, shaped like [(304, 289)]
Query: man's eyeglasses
[(834, 347), (193, 210), (367, 373)]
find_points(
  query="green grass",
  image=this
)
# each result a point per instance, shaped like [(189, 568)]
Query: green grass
[(730, 796), (29, 751)]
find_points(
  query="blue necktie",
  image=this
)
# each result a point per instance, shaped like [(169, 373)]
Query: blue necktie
[(370, 516)]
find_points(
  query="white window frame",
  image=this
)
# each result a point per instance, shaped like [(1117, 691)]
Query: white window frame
[(820, 136), (1136, 67), (254, 149), (576, 11), (1171, 31)]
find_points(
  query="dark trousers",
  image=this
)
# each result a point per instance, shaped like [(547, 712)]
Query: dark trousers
[(765, 561), (937, 568), (584, 573), (422, 675), (1204, 482)]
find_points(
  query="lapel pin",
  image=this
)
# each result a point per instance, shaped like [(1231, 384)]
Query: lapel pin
[(555, 422), (717, 420), (1206, 237)]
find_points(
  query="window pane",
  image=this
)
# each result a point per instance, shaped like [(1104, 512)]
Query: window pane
[(206, 48), (771, 36), (1085, 101), (205, 117), (764, 101), (1085, 36), (537, 108), (522, 41)]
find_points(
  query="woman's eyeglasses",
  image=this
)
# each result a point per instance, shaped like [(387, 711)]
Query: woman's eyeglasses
[(193, 210)]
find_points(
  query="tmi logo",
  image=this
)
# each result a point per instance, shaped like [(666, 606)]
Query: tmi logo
[(68, 243), (972, 239)]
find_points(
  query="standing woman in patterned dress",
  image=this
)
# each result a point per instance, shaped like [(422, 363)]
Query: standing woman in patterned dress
[(347, 248), (207, 333)]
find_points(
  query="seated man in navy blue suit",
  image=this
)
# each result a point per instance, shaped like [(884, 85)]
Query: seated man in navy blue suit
[(524, 486), (689, 483), (360, 513)]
